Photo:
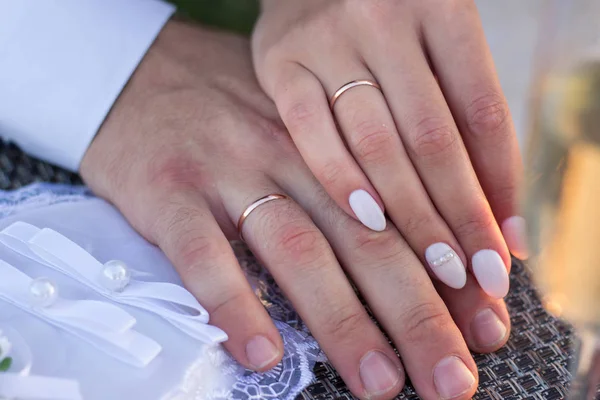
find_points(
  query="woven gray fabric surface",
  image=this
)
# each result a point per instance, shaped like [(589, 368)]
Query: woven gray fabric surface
[(533, 365)]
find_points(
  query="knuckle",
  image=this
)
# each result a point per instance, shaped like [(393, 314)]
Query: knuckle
[(373, 142), (178, 232), (173, 170), (302, 243), (344, 324), (414, 223), (488, 115), (503, 196), (299, 114), (476, 221), (232, 301), (433, 137), (371, 242), (187, 239), (197, 248), (424, 321), (331, 174), (380, 249)]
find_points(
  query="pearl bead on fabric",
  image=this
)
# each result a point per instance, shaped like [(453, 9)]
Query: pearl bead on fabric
[(43, 292), (115, 276)]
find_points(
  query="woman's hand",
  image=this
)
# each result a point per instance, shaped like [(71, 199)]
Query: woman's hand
[(191, 143), (434, 146)]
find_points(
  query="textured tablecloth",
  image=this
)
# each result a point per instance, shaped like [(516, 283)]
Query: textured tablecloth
[(533, 365)]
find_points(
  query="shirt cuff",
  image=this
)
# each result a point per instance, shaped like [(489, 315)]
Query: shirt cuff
[(63, 63)]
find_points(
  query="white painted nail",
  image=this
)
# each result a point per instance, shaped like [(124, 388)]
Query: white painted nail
[(514, 232), (446, 265), (491, 273), (367, 210)]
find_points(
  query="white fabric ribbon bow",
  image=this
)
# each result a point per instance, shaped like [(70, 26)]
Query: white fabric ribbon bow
[(170, 301), (103, 325)]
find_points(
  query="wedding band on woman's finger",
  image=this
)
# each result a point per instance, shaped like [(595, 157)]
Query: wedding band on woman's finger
[(253, 206), (352, 84)]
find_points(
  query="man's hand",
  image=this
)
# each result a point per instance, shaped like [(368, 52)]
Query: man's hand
[(191, 142)]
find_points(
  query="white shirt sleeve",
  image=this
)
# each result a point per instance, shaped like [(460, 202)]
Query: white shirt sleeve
[(63, 64)]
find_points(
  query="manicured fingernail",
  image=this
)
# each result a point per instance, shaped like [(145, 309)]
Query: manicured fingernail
[(378, 373), (487, 328), (446, 265), (452, 378), (514, 231), (367, 210), (261, 352), (491, 273)]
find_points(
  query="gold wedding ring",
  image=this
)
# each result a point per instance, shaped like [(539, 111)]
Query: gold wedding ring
[(350, 85), (254, 206)]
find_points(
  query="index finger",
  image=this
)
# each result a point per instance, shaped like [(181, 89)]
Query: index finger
[(461, 58)]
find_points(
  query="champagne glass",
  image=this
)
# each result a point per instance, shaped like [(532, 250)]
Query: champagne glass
[(562, 201)]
